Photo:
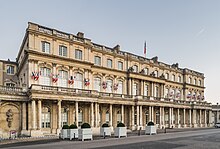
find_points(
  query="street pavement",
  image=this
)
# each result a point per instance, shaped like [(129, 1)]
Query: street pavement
[(195, 139)]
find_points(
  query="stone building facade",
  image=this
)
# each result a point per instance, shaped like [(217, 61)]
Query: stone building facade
[(60, 78)]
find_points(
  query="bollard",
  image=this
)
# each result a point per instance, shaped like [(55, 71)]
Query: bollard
[(104, 135), (74, 136)]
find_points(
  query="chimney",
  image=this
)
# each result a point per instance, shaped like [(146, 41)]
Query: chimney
[(116, 48), (80, 34)]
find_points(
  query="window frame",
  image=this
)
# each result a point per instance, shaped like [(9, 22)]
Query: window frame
[(109, 60), (78, 54), (62, 51), (120, 63), (10, 69), (44, 47), (97, 60)]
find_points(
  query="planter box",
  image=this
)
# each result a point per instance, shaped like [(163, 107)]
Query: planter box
[(106, 130), (64, 133), (121, 132), (150, 130), (85, 133), (72, 133)]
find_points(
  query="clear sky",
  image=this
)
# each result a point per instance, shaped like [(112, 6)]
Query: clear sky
[(183, 31)]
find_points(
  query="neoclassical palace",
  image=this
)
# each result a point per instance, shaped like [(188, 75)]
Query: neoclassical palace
[(60, 78)]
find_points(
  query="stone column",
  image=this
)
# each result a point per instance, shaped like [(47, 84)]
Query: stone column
[(33, 106), (39, 114), (141, 117), (161, 118), (96, 114), (142, 88), (190, 118), (76, 112), (110, 115), (152, 114), (184, 117), (122, 113), (210, 118), (170, 117), (205, 120), (138, 117), (92, 115), (150, 118), (132, 117), (194, 118), (59, 115), (200, 118), (178, 117), (24, 115), (132, 83), (129, 86)]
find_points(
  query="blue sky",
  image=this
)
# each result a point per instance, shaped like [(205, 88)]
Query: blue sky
[(183, 31)]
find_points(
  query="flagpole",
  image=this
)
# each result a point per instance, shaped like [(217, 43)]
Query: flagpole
[(145, 49)]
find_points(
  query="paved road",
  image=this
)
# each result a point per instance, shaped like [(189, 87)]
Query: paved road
[(201, 139)]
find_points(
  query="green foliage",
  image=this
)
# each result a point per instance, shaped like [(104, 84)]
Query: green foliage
[(121, 125), (73, 126), (150, 124), (65, 127), (85, 125), (105, 125)]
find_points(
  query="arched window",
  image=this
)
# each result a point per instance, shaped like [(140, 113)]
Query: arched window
[(167, 76), (118, 116), (80, 117), (135, 89), (173, 77), (45, 78), (156, 73), (179, 79), (120, 87), (195, 81), (97, 84), (63, 78), (78, 81), (135, 67), (109, 86), (146, 87), (45, 117), (178, 94), (64, 116), (200, 83), (190, 80), (107, 117)]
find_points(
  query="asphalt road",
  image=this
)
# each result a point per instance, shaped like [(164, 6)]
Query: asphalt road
[(201, 139)]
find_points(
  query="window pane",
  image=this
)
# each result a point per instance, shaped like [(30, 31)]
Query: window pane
[(120, 65), (109, 63), (97, 60), (97, 84), (78, 54)]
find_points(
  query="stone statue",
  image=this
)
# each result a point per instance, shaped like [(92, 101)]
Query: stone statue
[(9, 119)]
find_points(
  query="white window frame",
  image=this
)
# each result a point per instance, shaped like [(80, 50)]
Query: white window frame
[(63, 78), (78, 83), (120, 87), (10, 69), (62, 51), (78, 54), (45, 78), (97, 84), (109, 63), (97, 60), (109, 86), (120, 65), (146, 88), (45, 47)]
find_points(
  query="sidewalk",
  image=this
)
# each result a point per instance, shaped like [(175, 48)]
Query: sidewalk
[(50, 139)]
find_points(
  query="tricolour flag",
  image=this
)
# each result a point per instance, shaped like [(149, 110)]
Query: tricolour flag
[(145, 49)]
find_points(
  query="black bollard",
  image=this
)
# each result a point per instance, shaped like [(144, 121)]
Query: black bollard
[(104, 135)]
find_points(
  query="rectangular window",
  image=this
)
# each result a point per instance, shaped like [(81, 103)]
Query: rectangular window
[(120, 65), (63, 51), (10, 84), (10, 70), (97, 60), (78, 54), (45, 47), (109, 63), (146, 90)]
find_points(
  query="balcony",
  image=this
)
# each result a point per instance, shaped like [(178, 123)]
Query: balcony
[(12, 90), (96, 94)]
